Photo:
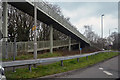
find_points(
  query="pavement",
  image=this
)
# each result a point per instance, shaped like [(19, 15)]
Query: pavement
[(106, 69)]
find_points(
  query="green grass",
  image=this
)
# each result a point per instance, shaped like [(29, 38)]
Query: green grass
[(30, 56), (72, 64)]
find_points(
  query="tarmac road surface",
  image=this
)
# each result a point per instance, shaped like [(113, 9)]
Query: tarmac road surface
[(106, 69)]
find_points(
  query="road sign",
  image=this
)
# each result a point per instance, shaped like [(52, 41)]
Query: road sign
[(1, 35), (33, 28)]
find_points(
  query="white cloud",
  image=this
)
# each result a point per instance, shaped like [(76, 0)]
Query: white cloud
[(109, 23), (88, 15), (79, 12)]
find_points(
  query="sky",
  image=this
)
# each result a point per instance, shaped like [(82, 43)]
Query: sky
[(89, 13)]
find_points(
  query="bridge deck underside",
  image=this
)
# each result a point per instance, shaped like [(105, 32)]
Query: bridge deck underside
[(29, 9)]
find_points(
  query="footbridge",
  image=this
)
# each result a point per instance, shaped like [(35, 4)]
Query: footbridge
[(48, 16)]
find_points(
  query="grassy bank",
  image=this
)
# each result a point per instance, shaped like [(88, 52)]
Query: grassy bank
[(43, 70), (30, 56), (26, 56)]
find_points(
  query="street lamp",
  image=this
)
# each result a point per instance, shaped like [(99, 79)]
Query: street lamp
[(102, 28), (102, 25)]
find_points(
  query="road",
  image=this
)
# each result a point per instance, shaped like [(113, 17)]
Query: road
[(107, 69)]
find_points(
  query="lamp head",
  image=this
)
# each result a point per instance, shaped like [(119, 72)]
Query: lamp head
[(103, 15)]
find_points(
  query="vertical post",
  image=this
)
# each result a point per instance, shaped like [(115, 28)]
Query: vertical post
[(29, 67), (69, 43), (35, 24), (1, 33), (77, 59), (86, 57), (5, 21), (61, 62), (109, 40), (102, 29), (101, 26), (5, 28), (51, 39), (15, 52), (80, 47), (6, 55)]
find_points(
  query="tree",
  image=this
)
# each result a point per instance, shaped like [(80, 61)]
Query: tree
[(21, 24), (90, 34), (114, 40)]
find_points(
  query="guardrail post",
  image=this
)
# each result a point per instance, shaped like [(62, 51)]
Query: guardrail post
[(86, 57), (62, 63), (29, 66), (77, 59)]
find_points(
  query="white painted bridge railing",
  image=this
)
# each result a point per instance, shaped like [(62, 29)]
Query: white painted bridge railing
[(29, 46), (41, 45), (45, 60)]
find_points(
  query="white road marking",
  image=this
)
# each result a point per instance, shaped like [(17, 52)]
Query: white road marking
[(108, 73), (101, 68)]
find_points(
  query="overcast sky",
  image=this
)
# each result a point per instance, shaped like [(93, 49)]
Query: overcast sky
[(89, 13)]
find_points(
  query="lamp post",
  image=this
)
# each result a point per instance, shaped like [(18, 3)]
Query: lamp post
[(102, 28), (102, 25)]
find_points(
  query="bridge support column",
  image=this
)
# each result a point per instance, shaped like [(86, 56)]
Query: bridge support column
[(69, 43), (0, 33), (80, 47), (51, 39), (5, 21), (35, 31), (5, 29)]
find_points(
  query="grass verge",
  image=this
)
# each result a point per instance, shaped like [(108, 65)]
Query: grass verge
[(30, 56), (72, 64)]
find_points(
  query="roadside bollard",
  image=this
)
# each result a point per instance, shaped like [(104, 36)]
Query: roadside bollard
[(29, 66), (62, 63), (77, 59)]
